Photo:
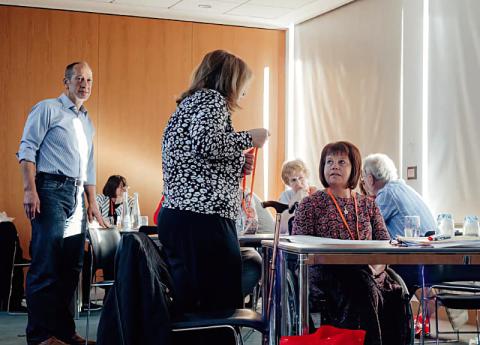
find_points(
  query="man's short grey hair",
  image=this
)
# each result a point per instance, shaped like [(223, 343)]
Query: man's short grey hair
[(70, 69), (380, 166)]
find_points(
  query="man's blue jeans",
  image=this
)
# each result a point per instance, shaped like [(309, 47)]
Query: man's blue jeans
[(56, 262)]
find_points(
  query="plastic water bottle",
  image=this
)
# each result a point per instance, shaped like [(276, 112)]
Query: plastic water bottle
[(135, 214), (126, 222)]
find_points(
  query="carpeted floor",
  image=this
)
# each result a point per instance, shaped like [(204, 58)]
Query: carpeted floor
[(12, 330)]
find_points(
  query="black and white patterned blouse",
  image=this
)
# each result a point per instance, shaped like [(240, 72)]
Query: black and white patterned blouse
[(203, 156)]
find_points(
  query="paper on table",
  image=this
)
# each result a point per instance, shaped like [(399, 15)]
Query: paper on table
[(314, 240), (457, 241)]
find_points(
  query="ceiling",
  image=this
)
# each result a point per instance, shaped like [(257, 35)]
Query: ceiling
[(254, 13)]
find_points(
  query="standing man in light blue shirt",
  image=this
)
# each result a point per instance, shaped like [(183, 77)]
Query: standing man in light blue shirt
[(57, 162)]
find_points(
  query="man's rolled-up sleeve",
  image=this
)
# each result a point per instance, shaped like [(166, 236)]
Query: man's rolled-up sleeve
[(36, 127)]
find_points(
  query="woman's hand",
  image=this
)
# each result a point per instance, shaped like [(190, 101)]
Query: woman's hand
[(248, 165), (377, 269), (259, 136), (311, 190)]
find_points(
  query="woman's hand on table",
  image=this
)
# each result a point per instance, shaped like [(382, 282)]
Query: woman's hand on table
[(377, 269)]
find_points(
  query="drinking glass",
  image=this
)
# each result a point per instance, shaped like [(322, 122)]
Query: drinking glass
[(445, 224), (109, 221), (412, 226), (471, 226), (143, 221)]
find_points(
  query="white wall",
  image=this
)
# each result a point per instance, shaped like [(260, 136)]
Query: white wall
[(366, 73), (347, 80)]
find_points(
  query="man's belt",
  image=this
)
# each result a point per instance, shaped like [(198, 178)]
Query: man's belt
[(61, 178)]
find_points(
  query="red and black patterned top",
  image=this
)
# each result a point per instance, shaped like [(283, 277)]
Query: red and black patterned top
[(317, 216)]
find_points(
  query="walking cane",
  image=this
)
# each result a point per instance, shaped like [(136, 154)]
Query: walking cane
[(279, 208)]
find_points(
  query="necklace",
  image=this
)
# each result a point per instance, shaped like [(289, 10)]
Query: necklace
[(345, 210), (352, 236)]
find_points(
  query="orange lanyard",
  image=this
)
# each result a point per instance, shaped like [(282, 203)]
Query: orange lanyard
[(111, 207), (329, 192), (244, 182)]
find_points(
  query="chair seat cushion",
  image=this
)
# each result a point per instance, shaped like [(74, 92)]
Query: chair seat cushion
[(459, 301), (238, 317)]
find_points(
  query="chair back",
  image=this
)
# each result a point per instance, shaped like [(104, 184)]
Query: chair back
[(8, 241), (148, 229), (104, 244), (436, 274)]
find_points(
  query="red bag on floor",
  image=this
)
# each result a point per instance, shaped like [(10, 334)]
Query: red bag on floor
[(327, 335)]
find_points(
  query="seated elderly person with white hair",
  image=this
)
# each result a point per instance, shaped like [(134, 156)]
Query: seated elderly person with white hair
[(393, 196), (396, 199)]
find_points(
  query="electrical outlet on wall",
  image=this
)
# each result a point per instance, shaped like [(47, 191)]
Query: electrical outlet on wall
[(412, 173)]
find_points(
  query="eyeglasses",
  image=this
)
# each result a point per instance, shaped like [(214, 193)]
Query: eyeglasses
[(363, 177)]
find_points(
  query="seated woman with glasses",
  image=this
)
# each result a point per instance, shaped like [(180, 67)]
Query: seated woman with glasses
[(110, 202), (357, 296), (295, 175)]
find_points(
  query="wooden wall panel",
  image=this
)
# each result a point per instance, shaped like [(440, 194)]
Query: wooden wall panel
[(259, 48), (35, 47), (140, 67), (144, 65)]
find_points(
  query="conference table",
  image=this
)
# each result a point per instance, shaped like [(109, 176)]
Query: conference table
[(307, 251)]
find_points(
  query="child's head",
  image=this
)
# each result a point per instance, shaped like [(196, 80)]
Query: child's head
[(295, 175)]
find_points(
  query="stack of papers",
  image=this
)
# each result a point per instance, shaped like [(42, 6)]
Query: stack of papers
[(457, 241)]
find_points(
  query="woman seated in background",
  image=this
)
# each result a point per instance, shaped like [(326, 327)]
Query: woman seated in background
[(360, 296), (110, 203), (295, 175)]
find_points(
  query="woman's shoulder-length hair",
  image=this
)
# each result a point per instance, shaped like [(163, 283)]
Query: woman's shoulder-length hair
[(353, 153), (223, 72), (112, 184)]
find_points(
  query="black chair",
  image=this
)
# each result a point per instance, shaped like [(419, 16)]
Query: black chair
[(148, 229), (460, 296), (233, 320), (127, 315), (12, 264), (459, 289), (103, 244), (17, 280)]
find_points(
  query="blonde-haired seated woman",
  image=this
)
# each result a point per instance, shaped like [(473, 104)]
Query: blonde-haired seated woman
[(360, 296), (295, 175)]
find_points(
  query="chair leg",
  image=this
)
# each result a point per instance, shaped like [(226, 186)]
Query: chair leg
[(11, 277), (238, 336), (436, 320), (255, 297), (478, 331), (89, 297)]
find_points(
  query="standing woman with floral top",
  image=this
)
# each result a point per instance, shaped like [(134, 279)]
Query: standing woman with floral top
[(203, 163), (360, 296)]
